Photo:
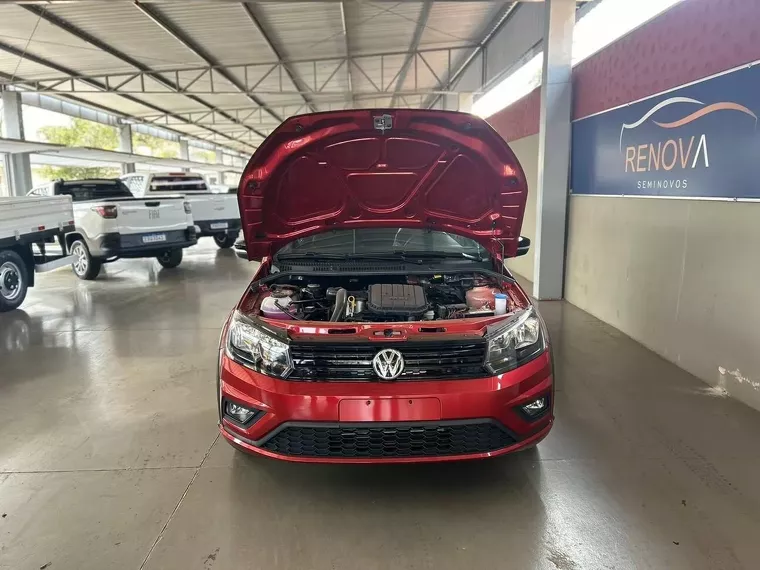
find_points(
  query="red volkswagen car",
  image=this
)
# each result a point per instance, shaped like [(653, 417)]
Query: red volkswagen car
[(382, 324)]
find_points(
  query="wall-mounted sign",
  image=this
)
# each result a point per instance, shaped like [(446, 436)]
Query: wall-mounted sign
[(702, 140)]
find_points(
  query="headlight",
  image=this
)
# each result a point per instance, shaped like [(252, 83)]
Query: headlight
[(257, 349), (518, 341)]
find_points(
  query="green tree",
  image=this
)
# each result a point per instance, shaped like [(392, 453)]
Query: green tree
[(202, 155), (80, 133), (96, 135), (154, 146)]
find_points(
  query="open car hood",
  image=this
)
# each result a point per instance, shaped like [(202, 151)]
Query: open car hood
[(410, 168)]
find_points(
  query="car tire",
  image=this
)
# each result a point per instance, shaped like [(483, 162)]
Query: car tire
[(170, 258), (14, 280), (85, 266), (225, 241)]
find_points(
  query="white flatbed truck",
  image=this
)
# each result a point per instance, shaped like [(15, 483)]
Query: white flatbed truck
[(27, 226)]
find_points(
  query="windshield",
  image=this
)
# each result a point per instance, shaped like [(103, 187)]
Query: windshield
[(101, 190), (374, 241)]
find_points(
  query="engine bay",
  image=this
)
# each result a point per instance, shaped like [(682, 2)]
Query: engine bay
[(386, 298)]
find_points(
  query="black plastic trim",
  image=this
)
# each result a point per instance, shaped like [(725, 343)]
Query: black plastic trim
[(112, 244), (511, 438), (349, 360)]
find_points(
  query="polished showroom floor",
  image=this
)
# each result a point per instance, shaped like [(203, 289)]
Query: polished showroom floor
[(110, 459)]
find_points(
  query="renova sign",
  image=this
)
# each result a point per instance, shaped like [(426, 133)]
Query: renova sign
[(698, 141)]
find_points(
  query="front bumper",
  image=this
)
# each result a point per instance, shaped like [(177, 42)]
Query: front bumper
[(428, 421), (132, 245)]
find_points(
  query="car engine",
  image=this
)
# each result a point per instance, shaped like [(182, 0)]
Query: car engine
[(411, 298)]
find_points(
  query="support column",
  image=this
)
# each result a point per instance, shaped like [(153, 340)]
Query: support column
[(125, 145), (554, 150), (220, 160), (450, 102), (184, 152), (465, 102), (5, 183), (19, 174)]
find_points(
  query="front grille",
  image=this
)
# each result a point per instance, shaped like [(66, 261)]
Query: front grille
[(353, 361), (378, 440)]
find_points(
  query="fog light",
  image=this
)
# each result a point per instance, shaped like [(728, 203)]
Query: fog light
[(238, 413), (536, 407)]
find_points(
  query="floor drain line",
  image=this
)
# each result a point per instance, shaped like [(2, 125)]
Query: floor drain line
[(179, 503)]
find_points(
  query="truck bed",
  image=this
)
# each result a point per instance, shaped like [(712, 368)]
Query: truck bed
[(30, 217)]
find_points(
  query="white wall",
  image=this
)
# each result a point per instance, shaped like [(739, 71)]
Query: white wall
[(680, 276), (526, 150)]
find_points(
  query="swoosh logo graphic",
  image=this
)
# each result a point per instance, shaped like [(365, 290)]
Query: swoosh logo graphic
[(652, 111), (706, 111)]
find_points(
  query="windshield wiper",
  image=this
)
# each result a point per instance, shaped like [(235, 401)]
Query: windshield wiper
[(314, 255), (439, 254), (390, 256), (395, 255), (311, 255)]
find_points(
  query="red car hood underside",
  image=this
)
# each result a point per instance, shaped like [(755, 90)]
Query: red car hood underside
[(431, 169)]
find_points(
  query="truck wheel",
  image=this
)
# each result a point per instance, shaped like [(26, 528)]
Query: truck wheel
[(14, 280), (170, 258), (84, 266), (225, 241)]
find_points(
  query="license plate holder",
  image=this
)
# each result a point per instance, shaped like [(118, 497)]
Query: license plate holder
[(389, 410), (154, 238), (219, 225)]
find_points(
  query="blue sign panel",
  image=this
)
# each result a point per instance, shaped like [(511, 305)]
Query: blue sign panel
[(697, 141)]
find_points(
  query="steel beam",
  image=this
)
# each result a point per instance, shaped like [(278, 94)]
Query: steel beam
[(347, 43), (413, 45), (269, 68), (95, 86), (501, 20), (161, 21), (201, 117), (110, 50), (253, 14), (19, 83)]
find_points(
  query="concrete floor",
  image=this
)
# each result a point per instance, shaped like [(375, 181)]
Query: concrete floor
[(109, 455)]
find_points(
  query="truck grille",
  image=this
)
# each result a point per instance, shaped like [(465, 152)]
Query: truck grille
[(379, 440), (353, 361)]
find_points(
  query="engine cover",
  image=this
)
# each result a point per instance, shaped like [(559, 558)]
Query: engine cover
[(395, 299)]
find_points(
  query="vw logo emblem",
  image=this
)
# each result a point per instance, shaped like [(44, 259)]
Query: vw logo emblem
[(388, 364)]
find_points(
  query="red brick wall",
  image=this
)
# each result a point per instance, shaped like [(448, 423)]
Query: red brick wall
[(520, 119), (692, 40)]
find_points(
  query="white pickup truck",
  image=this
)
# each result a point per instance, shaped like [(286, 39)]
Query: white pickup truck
[(111, 224), (216, 215), (27, 226)]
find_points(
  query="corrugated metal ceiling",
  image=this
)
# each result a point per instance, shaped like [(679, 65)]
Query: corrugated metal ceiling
[(224, 32)]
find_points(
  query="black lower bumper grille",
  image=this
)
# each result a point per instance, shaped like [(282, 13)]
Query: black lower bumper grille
[(381, 440), (353, 361)]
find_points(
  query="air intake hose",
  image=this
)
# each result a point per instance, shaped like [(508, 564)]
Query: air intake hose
[(340, 305)]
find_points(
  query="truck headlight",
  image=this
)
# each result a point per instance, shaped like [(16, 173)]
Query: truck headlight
[(519, 340), (255, 348)]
